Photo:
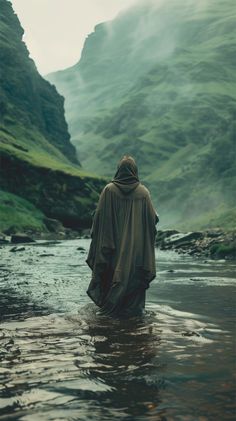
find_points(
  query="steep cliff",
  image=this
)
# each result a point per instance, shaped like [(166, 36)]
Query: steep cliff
[(159, 82)]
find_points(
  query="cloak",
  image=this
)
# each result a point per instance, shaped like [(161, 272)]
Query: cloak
[(121, 254)]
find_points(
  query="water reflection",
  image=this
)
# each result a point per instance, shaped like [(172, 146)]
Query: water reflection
[(60, 360), (14, 306), (73, 361), (125, 358)]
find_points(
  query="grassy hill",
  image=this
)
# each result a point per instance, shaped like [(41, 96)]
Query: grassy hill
[(159, 82), (37, 160)]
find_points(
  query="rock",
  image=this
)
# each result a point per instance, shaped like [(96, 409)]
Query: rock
[(163, 234), (213, 244), (53, 225), (21, 238), (80, 248), (3, 239), (71, 234), (184, 239), (214, 234), (15, 249), (46, 243), (194, 251), (46, 255), (85, 233), (191, 334)]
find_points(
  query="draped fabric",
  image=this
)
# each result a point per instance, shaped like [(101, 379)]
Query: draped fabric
[(121, 254)]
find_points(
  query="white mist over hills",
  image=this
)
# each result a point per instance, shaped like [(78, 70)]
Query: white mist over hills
[(55, 30), (159, 82)]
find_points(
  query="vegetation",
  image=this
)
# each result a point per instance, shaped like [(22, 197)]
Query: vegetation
[(39, 169), (18, 214), (223, 250), (31, 108), (159, 83)]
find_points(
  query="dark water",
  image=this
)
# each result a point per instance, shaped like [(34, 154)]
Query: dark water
[(59, 360)]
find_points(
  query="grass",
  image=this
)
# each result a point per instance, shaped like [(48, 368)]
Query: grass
[(223, 250), (19, 214), (34, 136), (39, 152)]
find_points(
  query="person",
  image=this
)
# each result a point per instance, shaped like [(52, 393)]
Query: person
[(122, 249)]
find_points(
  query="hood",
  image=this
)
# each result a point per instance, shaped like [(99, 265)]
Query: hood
[(126, 188), (126, 177)]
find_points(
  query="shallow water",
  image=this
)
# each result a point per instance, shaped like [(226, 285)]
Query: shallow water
[(60, 360)]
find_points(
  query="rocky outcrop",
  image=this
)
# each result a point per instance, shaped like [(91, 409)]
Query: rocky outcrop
[(213, 244), (21, 238), (37, 160), (67, 198), (27, 100)]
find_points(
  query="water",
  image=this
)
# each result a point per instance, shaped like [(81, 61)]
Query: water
[(60, 360)]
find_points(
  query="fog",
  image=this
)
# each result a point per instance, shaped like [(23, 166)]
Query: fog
[(55, 30), (153, 37)]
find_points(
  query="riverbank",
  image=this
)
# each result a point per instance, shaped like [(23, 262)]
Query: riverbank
[(215, 244), (53, 230)]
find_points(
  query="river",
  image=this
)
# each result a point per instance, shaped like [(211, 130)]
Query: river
[(60, 360)]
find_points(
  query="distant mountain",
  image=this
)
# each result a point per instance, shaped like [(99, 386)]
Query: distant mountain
[(37, 160), (159, 82)]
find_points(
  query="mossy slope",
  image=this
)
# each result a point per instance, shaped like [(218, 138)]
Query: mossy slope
[(37, 160)]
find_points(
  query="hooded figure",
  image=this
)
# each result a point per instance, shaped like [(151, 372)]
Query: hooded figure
[(121, 254)]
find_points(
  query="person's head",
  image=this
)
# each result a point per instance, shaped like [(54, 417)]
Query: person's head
[(127, 171), (128, 162)]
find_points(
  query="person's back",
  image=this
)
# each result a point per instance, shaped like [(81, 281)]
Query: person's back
[(121, 253)]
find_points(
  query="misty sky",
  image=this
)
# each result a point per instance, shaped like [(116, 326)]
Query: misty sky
[(55, 30)]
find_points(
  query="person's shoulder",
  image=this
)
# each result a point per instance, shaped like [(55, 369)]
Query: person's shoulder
[(143, 190), (108, 188)]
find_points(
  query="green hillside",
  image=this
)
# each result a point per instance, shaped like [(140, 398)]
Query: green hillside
[(37, 159), (159, 82)]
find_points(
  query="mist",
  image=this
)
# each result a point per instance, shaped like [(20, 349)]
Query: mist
[(55, 30)]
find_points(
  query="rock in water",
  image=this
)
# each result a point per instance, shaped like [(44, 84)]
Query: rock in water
[(53, 225), (15, 249), (21, 238), (3, 239), (184, 238)]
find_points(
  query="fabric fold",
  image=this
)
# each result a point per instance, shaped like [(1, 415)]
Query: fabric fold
[(121, 254)]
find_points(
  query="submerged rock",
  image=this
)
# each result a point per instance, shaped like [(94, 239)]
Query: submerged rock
[(191, 334), (15, 249)]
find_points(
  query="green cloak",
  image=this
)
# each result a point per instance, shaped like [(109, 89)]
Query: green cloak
[(121, 253)]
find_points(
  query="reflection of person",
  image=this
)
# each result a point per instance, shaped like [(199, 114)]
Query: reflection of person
[(125, 358), (121, 253)]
